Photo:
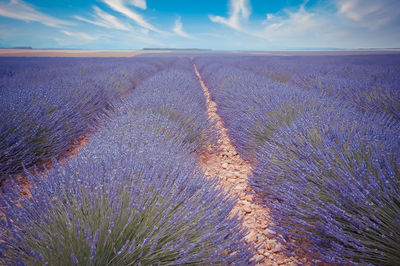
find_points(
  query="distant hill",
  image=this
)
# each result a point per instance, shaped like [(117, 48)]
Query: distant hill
[(176, 49), (23, 47)]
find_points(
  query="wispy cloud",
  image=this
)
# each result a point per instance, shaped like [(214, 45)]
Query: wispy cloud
[(239, 10), (80, 35), (178, 29), (352, 25), (121, 7), (18, 9), (139, 3), (105, 20), (369, 13), (292, 24)]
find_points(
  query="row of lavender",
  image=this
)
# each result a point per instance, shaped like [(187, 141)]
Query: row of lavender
[(326, 158), (134, 194), (369, 83), (47, 104)]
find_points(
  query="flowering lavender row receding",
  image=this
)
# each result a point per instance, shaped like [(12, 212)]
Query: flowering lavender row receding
[(369, 82), (176, 94), (133, 195), (328, 170), (48, 103), (252, 107)]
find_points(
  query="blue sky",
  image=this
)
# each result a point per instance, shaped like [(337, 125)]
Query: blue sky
[(214, 24)]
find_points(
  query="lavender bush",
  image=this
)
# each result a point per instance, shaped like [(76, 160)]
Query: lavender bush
[(325, 165), (368, 82), (252, 107), (332, 180), (147, 205), (176, 94)]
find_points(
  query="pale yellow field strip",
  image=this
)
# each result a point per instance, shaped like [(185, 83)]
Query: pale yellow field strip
[(73, 53)]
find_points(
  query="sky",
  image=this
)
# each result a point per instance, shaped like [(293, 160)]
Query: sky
[(207, 24)]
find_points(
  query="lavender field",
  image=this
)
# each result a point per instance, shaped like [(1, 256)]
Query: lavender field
[(322, 133)]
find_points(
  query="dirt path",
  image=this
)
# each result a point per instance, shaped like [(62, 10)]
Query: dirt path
[(233, 172)]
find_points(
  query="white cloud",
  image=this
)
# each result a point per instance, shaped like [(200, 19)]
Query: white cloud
[(352, 26), (20, 10), (303, 28), (178, 29), (293, 25), (120, 6), (369, 13), (135, 39), (139, 3), (328, 23), (239, 10), (80, 35), (105, 20)]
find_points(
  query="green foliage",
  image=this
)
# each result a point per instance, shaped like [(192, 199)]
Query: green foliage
[(282, 116)]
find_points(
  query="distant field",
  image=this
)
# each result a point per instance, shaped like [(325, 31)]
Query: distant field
[(131, 53), (324, 52), (72, 53)]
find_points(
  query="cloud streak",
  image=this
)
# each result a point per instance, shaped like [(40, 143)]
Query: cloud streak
[(239, 11), (328, 24), (352, 25), (139, 3), (80, 35), (105, 20), (291, 27), (18, 9), (369, 13), (178, 30), (121, 7)]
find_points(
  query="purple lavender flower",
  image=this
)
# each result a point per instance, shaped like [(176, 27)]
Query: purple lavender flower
[(323, 134), (46, 105)]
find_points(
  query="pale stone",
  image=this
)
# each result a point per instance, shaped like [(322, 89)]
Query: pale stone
[(251, 237), (247, 208), (245, 202), (270, 245), (247, 197), (268, 232), (240, 187), (278, 247), (259, 257), (260, 238), (263, 226)]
